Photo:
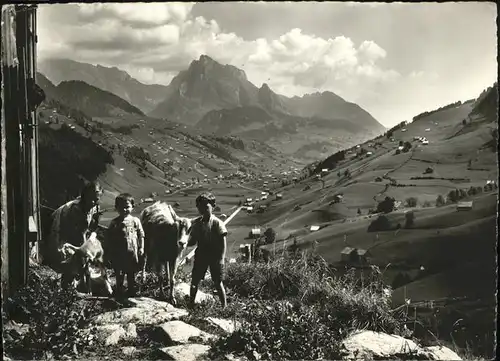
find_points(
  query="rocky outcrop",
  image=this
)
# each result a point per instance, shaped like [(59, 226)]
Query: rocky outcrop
[(178, 332), (190, 352), (145, 311), (112, 334), (366, 345)]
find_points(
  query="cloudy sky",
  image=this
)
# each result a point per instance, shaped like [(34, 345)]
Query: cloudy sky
[(394, 60)]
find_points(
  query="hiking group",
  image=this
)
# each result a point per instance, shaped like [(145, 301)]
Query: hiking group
[(77, 221)]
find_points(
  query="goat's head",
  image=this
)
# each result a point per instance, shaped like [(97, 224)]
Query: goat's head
[(184, 230)]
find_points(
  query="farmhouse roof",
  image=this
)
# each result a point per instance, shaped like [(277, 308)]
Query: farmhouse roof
[(314, 228), (362, 252), (347, 250)]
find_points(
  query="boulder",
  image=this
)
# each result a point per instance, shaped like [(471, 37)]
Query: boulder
[(228, 326), (145, 311), (440, 353), (188, 352), (178, 332), (148, 303), (182, 290), (364, 345), (129, 350), (114, 333)]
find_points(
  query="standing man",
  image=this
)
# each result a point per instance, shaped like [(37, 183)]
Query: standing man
[(74, 222)]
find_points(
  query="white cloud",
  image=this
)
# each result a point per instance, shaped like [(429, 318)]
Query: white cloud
[(147, 14), (154, 41)]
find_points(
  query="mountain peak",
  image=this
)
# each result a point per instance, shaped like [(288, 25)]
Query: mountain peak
[(206, 59), (207, 65)]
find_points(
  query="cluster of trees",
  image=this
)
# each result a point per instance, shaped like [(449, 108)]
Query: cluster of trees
[(456, 195), (411, 202), (232, 141), (330, 162), (79, 157), (391, 131), (217, 149), (122, 129), (139, 157), (424, 114), (386, 206)]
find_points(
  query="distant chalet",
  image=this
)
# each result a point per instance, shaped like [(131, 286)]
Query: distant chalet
[(464, 206), (354, 255)]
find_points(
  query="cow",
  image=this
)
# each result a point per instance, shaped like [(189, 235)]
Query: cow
[(76, 262), (166, 237)]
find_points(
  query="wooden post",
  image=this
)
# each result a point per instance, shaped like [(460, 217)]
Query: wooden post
[(12, 164), (7, 59)]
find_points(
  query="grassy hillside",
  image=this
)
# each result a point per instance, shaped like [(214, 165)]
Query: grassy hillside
[(427, 260)]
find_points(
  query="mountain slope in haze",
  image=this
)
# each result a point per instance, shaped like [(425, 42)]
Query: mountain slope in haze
[(94, 101), (114, 80), (219, 99), (86, 98), (213, 86)]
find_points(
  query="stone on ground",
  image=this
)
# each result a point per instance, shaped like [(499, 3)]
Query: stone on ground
[(129, 350), (178, 332), (188, 352), (182, 290), (228, 326), (114, 333)]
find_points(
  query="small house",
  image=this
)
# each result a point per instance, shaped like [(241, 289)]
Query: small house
[(354, 255), (363, 256), (279, 196), (324, 170), (255, 232), (464, 206), (148, 200), (314, 228), (346, 253), (369, 154)]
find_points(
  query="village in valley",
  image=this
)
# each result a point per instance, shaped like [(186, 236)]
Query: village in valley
[(346, 239)]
